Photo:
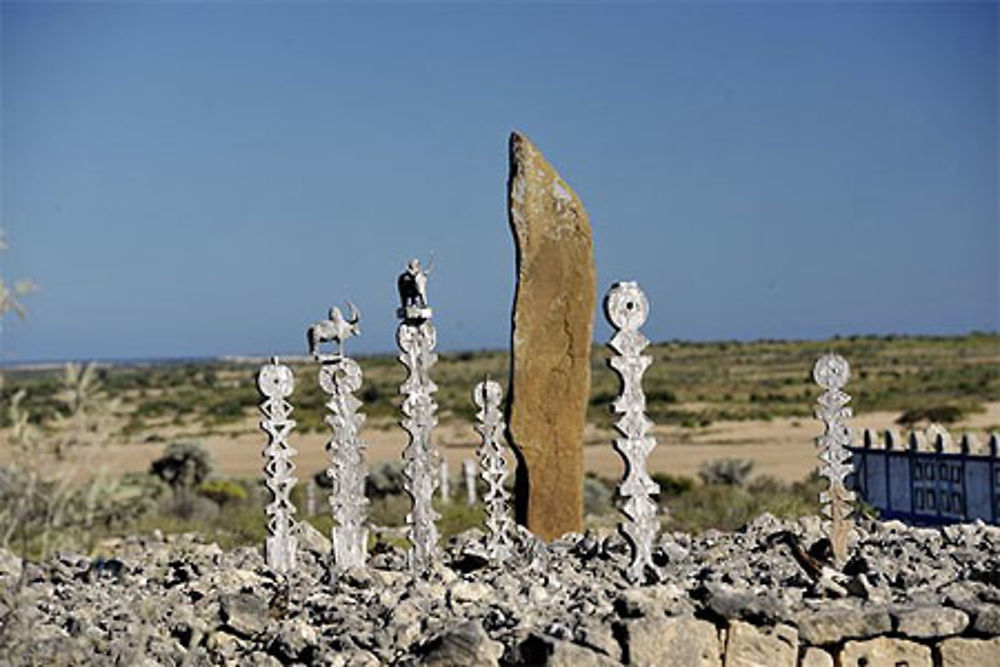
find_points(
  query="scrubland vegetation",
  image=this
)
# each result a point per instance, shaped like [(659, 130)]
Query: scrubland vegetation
[(56, 424)]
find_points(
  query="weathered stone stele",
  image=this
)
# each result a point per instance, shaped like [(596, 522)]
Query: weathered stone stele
[(551, 334)]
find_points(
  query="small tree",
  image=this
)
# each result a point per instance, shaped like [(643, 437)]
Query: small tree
[(183, 466)]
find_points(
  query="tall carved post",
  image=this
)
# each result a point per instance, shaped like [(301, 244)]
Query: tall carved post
[(626, 308), (276, 382), (417, 337), (493, 465), (832, 373), (340, 377)]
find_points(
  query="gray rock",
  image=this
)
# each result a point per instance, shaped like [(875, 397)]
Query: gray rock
[(244, 614), (670, 642), (987, 619), (930, 622), (833, 624), (467, 645)]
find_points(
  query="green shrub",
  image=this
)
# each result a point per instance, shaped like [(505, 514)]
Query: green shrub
[(672, 486), (223, 491), (183, 466), (729, 472)]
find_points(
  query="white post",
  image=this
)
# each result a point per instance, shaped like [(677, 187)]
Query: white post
[(493, 465), (417, 337), (276, 382), (832, 373), (340, 378), (469, 475), (626, 308)]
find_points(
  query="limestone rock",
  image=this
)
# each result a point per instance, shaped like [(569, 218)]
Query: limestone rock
[(553, 323), (884, 651), (929, 622), (243, 613), (959, 652), (816, 657), (833, 624), (467, 645), (988, 620), (749, 646), (671, 642)]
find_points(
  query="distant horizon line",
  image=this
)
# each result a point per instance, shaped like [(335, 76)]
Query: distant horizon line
[(46, 363)]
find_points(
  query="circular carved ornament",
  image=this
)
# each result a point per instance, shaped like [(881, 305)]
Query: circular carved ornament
[(487, 393), (832, 371), (345, 374), (276, 381), (626, 306)]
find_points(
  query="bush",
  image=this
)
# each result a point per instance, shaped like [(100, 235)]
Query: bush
[(384, 479), (672, 486), (183, 466), (944, 414), (223, 491), (598, 496), (728, 472)]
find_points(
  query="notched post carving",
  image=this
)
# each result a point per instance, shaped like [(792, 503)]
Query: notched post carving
[(493, 466), (417, 338), (832, 372), (626, 308), (276, 383)]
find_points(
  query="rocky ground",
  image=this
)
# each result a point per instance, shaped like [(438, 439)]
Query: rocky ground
[(756, 596)]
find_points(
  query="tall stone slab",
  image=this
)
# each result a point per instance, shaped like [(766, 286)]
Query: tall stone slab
[(553, 323)]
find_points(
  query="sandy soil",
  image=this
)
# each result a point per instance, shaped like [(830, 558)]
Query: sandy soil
[(780, 447)]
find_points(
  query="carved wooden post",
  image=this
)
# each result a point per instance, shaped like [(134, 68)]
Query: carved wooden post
[(469, 476), (493, 465), (340, 377), (276, 382), (444, 482), (832, 373), (417, 337), (627, 308)]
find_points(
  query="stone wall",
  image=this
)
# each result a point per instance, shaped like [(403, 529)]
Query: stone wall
[(758, 596)]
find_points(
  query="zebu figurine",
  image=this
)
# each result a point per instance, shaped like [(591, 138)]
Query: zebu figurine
[(336, 329)]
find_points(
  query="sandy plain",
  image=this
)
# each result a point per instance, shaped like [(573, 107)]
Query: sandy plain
[(781, 447)]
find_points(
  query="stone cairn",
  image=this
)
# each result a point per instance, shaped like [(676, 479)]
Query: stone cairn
[(493, 465), (276, 383), (469, 477), (832, 372), (417, 337), (626, 308), (339, 378)]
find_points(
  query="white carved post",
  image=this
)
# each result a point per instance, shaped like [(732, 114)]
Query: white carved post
[(444, 482), (417, 337), (311, 497), (276, 382), (469, 475), (493, 465), (832, 373), (340, 378), (626, 308)]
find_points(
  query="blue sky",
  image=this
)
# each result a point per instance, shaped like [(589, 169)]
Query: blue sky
[(199, 179)]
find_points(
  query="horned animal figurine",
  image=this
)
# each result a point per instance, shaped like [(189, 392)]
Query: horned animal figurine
[(336, 329)]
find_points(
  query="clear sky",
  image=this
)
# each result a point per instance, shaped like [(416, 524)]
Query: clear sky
[(200, 179)]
